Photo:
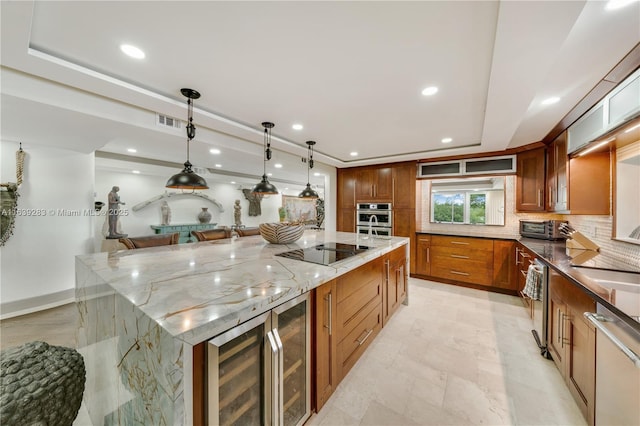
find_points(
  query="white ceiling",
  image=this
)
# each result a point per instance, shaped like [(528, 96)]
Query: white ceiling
[(350, 72)]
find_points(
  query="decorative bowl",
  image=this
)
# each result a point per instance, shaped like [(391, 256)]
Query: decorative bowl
[(281, 233)]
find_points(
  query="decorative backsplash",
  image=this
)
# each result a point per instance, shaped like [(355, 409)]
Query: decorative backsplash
[(596, 228)]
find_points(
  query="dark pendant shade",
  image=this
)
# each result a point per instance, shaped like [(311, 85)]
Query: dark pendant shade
[(186, 179), (264, 187), (308, 192)]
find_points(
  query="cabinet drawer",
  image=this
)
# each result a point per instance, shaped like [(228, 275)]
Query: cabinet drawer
[(355, 308), (462, 242), (352, 282), (358, 339), (461, 254), (469, 272), (399, 255)]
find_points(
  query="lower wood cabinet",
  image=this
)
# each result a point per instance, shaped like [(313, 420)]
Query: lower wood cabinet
[(423, 254), (462, 259), (396, 281), (350, 311), (571, 340)]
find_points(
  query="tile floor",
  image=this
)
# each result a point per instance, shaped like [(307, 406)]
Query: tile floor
[(454, 356)]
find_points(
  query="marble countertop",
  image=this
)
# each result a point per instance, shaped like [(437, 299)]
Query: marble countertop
[(475, 231), (625, 303), (196, 291)]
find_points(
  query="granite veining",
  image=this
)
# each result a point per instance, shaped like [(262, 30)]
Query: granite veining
[(142, 311)]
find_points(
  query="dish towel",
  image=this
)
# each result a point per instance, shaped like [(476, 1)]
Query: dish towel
[(533, 285)]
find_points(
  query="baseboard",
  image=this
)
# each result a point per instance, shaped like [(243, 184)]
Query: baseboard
[(38, 303)]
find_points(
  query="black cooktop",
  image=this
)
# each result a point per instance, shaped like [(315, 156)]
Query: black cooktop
[(325, 254)]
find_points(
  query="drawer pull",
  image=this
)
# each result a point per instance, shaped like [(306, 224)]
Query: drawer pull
[(361, 339), (457, 256), (524, 254), (460, 242), (460, 273), (523, 272)]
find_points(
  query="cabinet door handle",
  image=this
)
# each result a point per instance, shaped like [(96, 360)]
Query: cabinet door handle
[(459, 273), (428, 255), (517, 255), (458, 256), (387, 268), (280, 384), (539, 198), (276, 377), (597, 319), (330, 319), (460, 242), (361, 339), (523, 272)]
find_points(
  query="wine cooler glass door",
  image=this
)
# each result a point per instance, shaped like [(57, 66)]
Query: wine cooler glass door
[(291, 324), (238, 361)]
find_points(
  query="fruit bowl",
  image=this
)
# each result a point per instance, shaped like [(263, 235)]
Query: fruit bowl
[(281, 232)]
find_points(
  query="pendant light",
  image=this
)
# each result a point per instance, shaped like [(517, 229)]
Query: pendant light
[(264, 187), (308, 192), (187, 178)]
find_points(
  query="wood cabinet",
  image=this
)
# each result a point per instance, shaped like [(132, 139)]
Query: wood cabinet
[(423, 254), (404, 186), (523, 259), (346, 220), (557, 175), (530, 181), (395, 282), (374, 184), (504, 271), (589, 179), (462, 259), (346, 192), (571, 340), (326, 372)]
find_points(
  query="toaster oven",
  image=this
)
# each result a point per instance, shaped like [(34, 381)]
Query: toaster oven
[(542, 229)]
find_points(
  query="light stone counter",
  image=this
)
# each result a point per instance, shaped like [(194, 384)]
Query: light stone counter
[(142, 311)]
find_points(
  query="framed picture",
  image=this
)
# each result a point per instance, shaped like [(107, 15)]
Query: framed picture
[(299, 209)]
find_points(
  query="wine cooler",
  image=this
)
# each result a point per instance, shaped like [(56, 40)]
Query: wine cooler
[(258, 372)]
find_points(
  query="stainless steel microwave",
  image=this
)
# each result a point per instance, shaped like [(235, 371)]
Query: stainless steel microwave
[(542, 229)]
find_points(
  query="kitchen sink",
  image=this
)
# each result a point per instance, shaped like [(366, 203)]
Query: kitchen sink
[(618, 280)]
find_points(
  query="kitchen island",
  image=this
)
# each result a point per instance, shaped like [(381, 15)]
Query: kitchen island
[(142, 312)]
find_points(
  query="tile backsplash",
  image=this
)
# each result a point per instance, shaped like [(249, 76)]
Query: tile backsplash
[(596, 228)]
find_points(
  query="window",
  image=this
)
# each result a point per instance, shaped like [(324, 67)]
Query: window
[(459, 207)]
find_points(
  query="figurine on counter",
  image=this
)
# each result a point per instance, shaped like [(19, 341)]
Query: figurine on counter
[(166, 213), (114, 213), (237, 213)]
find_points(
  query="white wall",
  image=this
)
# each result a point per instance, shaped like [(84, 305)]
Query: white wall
[(38, 265), (136, 188)]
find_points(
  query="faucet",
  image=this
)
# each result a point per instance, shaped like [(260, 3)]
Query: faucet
[(372, 218)]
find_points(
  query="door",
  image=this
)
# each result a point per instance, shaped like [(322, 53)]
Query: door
[(326, 368), (237, 364), (292, 332)]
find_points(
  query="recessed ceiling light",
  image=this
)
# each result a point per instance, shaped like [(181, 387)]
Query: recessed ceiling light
[(551, 100), (429, 91), (269, 174), (277, 166), (214, 151), (218, 165), (132, 51), (233, 182), (137, 172), (316, 174), (353, 154), (618, 4), (297, 126), (132, 150), (446, 140)]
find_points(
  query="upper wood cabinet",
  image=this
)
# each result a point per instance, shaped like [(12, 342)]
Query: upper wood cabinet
[(404, 186), (557, 185), (346, 189), (374, 184), (530, 181)]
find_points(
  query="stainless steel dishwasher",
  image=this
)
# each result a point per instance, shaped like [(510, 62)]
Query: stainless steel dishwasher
[(617, 369)]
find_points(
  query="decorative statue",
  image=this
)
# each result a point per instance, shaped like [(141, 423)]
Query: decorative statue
[(319, 212), (166, 213), (237, 213), (114, 213), (254, 202)]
